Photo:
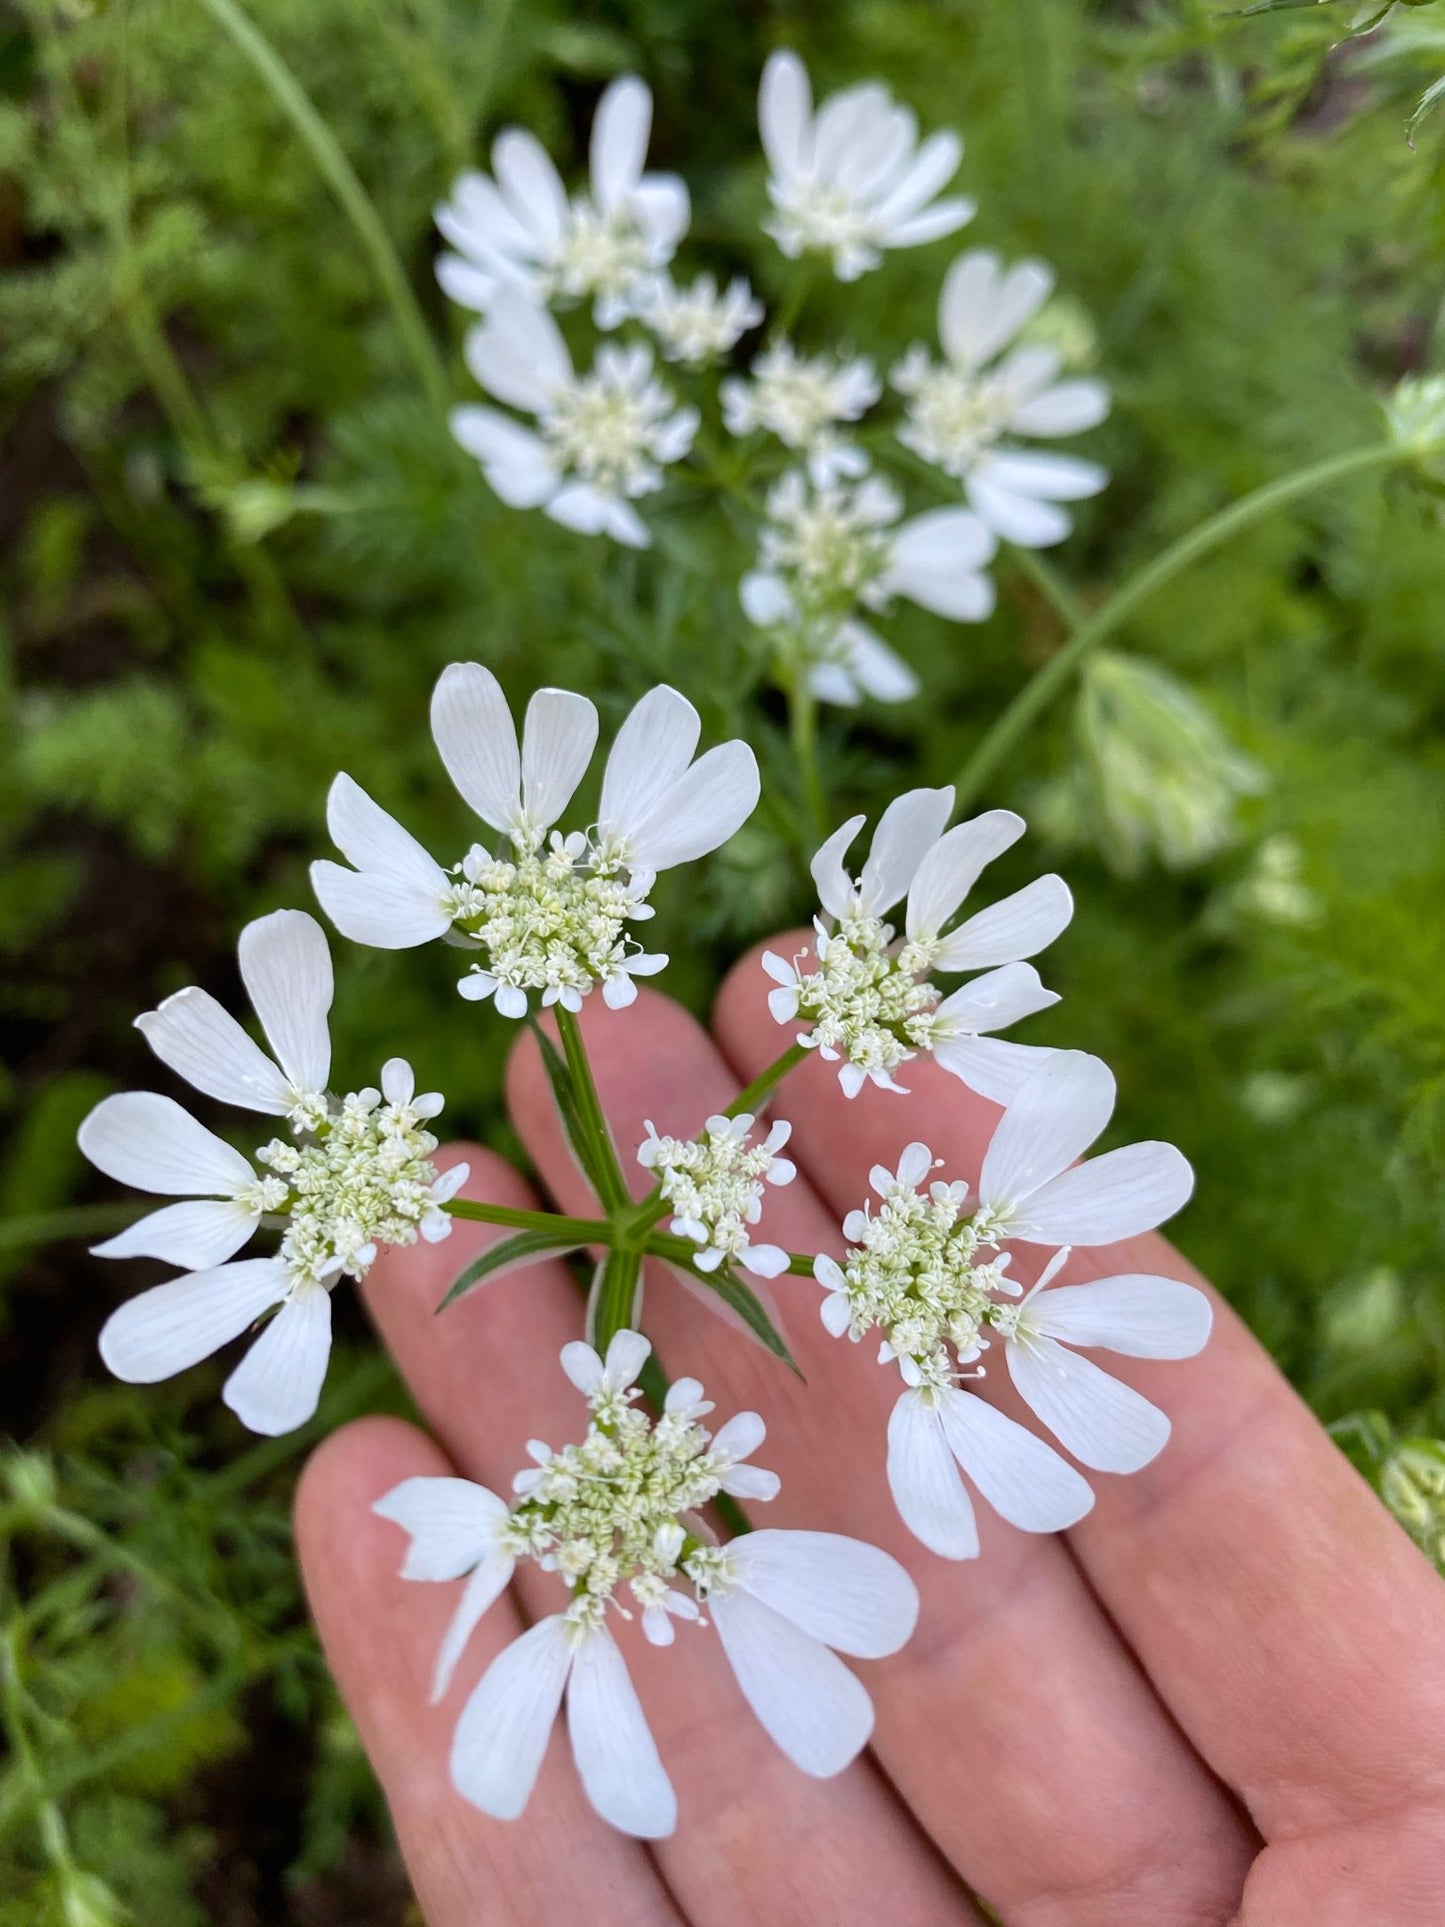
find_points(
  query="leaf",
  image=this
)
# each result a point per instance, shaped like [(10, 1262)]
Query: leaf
[(520, 1250), (741, 1299), (571, 1116), (1431, 97)]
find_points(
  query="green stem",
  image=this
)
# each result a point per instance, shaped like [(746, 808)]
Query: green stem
[(615, 1306), (1049, 681), (803, 728), (612, 1185), (1050, 585), (753, 1097), (341, 177), (800, 1265), (76, 1221), (588, 1230)]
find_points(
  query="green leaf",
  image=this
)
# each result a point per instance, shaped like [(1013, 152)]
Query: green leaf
[(742, 1299), (1431, 98), (519, 1250)]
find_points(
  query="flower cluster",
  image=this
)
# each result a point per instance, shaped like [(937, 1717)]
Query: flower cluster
[(548, 917), (925, 1270), (618, 1519), (714, 1184), (355, 1173), (866, 993)]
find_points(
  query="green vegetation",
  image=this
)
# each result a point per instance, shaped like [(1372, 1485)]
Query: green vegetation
[(237, 545)]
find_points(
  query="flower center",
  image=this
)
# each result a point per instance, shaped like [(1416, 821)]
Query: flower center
[(953, 417), (612, 1511), (601, 428), (549, 919), (598, 253), (362, 1177), (820, 214), (832, 546), (862, 1000), (713, 1183)]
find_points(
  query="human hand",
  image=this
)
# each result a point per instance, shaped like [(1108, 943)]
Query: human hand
[(1221, 1697)]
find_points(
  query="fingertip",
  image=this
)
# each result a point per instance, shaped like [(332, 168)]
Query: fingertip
[(348, 1471), (741, 1017)]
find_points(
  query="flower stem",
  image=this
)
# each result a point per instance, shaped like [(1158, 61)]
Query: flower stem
[(1049, 681), (611, 1184), (766, 1081), (614, 1304), (595, 1231), (803, 727), (74, 1221), (341, 177)]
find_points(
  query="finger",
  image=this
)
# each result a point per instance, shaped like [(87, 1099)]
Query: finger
[(755, 1840), (1015, 1725), (380, 1633), (1295, 1632)]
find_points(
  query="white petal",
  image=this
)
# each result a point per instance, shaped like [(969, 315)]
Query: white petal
[(849, 1595), (203, 1043), (386, 912), (994, 1068), (502, 1735), (765, 1261), (619, 141), (173, 1326), (1137, 1315), (614, 1750), (477, 740), (834, 886), (931, 168), (1067, 408), (741, 1436), (997, 999), (924, 1480), (627, 1353), (532, 185), (1103, 1422), (811, 1706), (751, 1482), (486, 1585), (766, 599), (198, 1236), (1014, 927), (452, 1522), (1052, 478), (517, 353), (1019, 519), (1114, 1196), (141, 1138), (700, 810), (660, 203), (467, 284), (907, 830), (1053, 1120), (651, 750), (935, 562), (277, 1384), (913, 1166), (558, 737), (582, 1365), (286, 968), (1022, 1478), (372, 840), (880, 673), (951, 868), (479, 221), (785, 112), (833, 682), (944, 217), (982, 308), (518, 463)]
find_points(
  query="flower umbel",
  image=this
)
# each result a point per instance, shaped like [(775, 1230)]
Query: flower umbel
[(714, 1184), (616, 1518), (867, 994), (803, 399), (699, 324)]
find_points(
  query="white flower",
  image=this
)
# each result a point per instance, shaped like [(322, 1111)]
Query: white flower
[(549, 915), (715, 1186), (697, 325), (802, 399), (868, 999), (824, 550), (617, 1519), (601, 440), (853, 179), (354, 1174), (961, 411), (925, 1272), (519, 230)]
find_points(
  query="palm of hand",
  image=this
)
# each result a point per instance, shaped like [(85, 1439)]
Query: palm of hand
[(1220, 1699)]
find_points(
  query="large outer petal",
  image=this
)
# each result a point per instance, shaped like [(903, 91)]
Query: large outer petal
[(651, 750), (1024, 1480), (486, 1585), (452, 1524), (785, 115), (995, 1068), (699, 811), (1108, 1198), (997, 999), (936, 561), (924, 1479), (907, 830), (371, 839), (277, 1384), (173, 1326), (1135, 1314), (811, 1706), (982, 306), (502, 1735), (531, 185), (517, 353), (954, 864), (476, 738), (850, 1595), (286, 968), (612, 1745), (197, 1235), (383, 911), (1103, 1422), (1015, 927), (620, 133), (151, 1142), (1053, 1120), (518, 463), (203, 1043), (558, 738)]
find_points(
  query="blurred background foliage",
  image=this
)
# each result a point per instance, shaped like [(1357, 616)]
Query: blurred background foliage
[(237, 546)]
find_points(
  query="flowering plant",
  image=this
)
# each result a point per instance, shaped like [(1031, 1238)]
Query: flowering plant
[(630, 1520)]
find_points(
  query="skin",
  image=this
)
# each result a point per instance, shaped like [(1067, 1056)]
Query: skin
[(1219, 1699)]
